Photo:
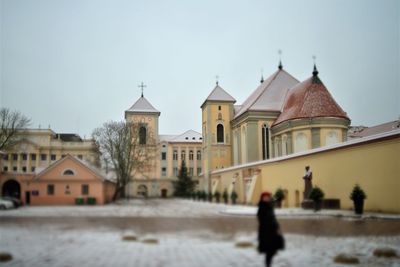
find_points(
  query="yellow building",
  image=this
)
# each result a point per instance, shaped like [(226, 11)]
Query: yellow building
[(170, 151), (282, 116)]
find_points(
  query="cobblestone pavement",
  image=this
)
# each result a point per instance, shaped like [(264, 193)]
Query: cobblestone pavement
[(195, 241)]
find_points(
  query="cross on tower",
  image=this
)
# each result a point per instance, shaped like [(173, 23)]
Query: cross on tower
[(216, 79), (142, 85), (280, 59)]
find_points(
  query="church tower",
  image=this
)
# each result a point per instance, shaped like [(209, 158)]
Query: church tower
[(217, 113)]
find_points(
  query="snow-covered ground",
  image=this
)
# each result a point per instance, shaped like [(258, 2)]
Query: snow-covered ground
[(100, 247), (175, 208)]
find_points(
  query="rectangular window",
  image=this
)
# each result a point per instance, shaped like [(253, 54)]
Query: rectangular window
[(23, 168), (183, 155), (33, 169), (163, 155), (80, 157), (43, 157), (5, 157), (198, 155), (53, 157), (5, 169), (33, 156), (175, 155), (24, 156), (175, 171), (15, 156), (15, 168), (190, 171), (85, 189), (164, 171), (50, 189), (191, 155), (63, 156), (198, 171)]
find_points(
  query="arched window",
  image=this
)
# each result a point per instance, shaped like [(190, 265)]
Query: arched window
[(220, 133), (331, 138), (142, 135), (68, 172), (265, 141)]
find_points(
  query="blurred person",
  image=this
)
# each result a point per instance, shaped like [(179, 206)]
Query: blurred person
[(270, 239)]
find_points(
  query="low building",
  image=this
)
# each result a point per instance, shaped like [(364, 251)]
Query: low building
[(61, 183)]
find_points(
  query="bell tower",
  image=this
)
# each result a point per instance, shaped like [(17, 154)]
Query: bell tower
[(217, 113)]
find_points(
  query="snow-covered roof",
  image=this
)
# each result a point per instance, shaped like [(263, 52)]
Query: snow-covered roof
[(142, 105), (189, 136), (270, 94), (219, 94)]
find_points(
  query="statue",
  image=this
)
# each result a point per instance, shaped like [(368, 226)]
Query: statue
[(307, 182)]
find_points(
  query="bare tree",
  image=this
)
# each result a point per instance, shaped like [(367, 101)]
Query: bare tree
[(121, 147), (10, 123)]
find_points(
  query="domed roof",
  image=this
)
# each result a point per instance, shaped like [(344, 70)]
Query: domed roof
[(310, 99)]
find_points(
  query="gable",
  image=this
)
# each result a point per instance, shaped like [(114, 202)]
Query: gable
[(68, 169)]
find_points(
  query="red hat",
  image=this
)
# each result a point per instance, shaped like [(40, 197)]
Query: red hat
[(263, 194)]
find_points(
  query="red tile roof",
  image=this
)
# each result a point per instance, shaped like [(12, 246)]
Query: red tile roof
[(310, 99)]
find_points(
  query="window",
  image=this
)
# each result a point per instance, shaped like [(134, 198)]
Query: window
[(15, 168), (24, 156), (175, 171), (63, 156), (43, 157), (219, 107), (23, 168), (175, 155), (191, 171), (265, 142), (33, 156), (183, 155), (5, 157), (15, 156), (33, 169), (219, 116), (85, 189), (198, 155), (5, 168), (198, 170), (163, 171), (53, 157), (67, 190), (220, 133), (50, 189), (68, 172), (142, 135), (191, 155), (80, 157), (163, 155)]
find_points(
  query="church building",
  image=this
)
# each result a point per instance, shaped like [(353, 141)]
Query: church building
[(156, 179), (280, 117)]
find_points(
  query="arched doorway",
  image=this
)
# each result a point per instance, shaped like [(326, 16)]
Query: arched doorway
[(12, 188), (142, 190), (164, 193)]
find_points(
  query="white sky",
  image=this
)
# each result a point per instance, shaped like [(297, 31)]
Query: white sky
[(76, 64)]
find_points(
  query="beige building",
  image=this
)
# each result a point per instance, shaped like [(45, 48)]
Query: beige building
[(36, 149), (280, 117), (170, 150)]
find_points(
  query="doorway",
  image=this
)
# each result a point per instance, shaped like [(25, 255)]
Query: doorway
[(164, 193), (27, 198), (12, 188)]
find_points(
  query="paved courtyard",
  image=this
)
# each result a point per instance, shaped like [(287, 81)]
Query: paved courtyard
[(187, 234)]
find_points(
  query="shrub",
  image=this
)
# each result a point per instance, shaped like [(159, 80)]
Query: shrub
[(346, 259), (79, 201), (91, 200), (279, 195), (234, 196), (217, 196), (316, 194), (357, 194), (385, 252)]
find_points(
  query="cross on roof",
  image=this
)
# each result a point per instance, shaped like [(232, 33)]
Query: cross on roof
[(142, 85), (216, 79)]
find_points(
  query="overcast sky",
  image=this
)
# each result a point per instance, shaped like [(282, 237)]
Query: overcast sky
[(76, 64)]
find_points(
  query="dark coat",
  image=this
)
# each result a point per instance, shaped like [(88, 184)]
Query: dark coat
[(269, 238)]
